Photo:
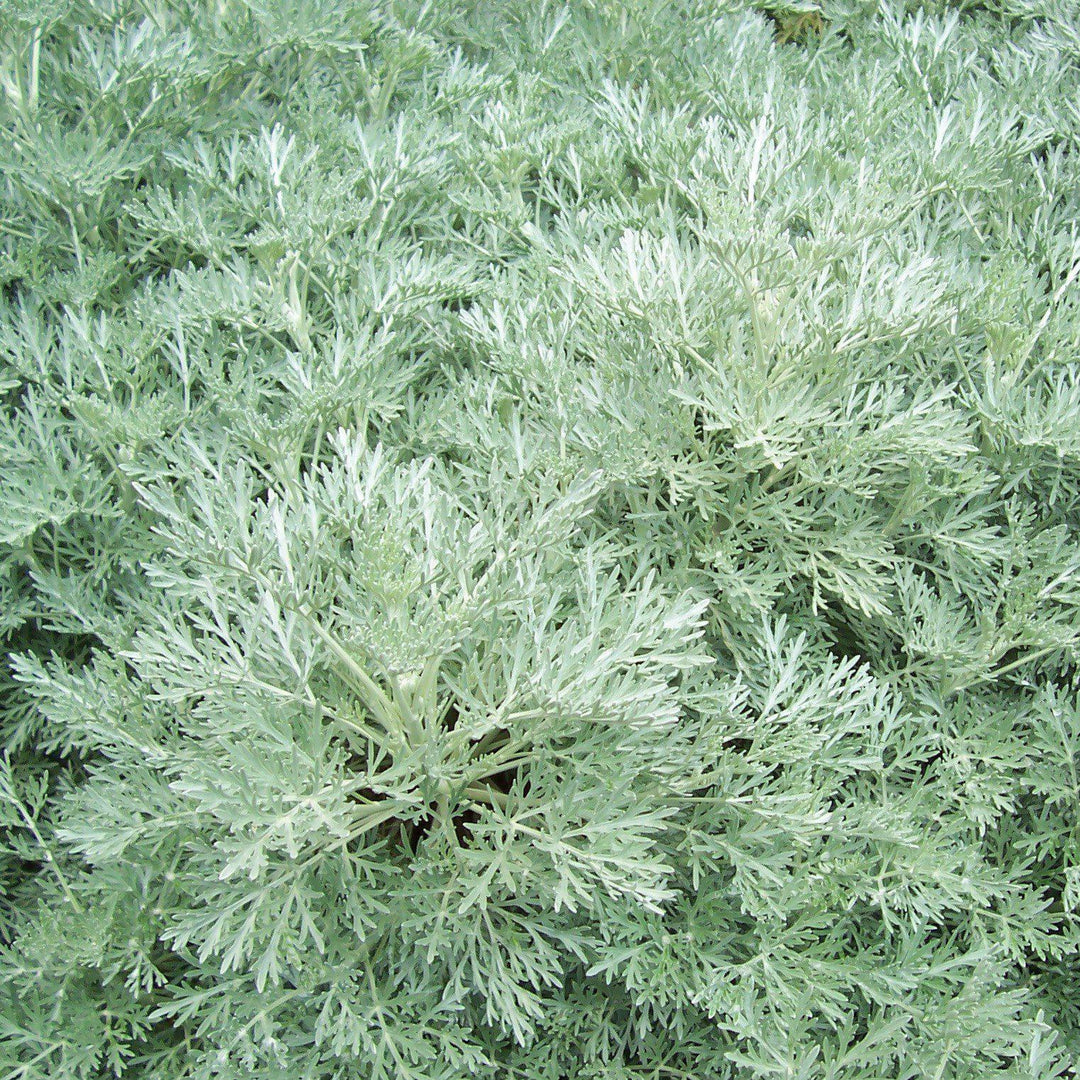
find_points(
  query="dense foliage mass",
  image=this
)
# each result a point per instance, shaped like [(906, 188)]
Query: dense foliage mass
[(539, 541)]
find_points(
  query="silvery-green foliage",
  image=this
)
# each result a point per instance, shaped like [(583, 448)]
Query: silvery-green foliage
[(540, 540)]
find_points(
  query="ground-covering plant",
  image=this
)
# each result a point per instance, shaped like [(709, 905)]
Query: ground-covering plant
[(539, 540)]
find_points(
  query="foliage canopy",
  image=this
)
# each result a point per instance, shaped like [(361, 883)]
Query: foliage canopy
[(539, 540)]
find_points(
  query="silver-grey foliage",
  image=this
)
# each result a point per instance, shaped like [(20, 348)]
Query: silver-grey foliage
[(539, 541)]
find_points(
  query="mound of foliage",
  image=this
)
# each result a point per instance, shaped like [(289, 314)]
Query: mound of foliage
[(539, 540)]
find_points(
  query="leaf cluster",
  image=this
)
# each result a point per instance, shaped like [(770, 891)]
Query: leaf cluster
[(539, 541)]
